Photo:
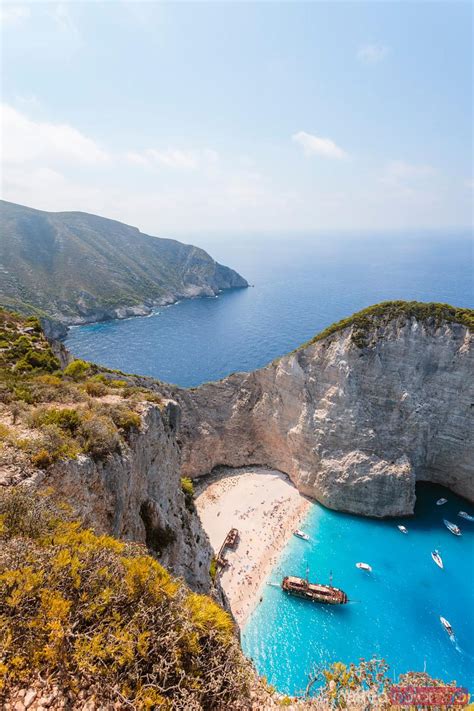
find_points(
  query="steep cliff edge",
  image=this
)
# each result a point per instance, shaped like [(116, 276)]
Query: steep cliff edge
[(356, 417), (135, 494), (105, 446)]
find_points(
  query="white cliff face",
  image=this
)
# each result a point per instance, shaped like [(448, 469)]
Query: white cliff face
[(136, 495), (353, 428)]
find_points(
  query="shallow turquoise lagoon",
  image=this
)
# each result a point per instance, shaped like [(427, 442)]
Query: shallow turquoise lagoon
[(395, 609)]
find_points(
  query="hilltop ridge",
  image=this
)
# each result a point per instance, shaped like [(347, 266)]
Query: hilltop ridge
[(75, 268)]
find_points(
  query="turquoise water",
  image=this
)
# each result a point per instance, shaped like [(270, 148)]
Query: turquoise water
[(301, 285), (396, 608)]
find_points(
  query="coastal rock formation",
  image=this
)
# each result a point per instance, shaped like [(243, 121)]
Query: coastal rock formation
[(74, 268), (355, 418), (135, 494)]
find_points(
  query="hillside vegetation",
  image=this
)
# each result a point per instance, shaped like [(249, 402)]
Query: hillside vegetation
[(101, 618), (48, 413), (73, 266), (367, 320)]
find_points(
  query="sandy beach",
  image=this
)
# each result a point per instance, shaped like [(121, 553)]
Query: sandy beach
[(265, 507)]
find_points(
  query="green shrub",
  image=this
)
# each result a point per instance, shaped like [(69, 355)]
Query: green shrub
[(24, 394), (77, 369), (99, 435), (152, 397), (187, 488), (53, 440), (95, 388), (118, 383), (34, 322), (42, 459), (21, 345), (125, 419), (67, 419), (5, 432)]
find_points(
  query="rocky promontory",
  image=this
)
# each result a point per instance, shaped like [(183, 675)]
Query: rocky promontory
[(71, 268), (355, 417)]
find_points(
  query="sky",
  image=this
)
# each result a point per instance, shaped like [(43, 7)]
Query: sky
[(251, 116)]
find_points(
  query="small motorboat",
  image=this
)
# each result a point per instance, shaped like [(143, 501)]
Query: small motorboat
[(465, 515), (301, 534), (447, 626), (403, 529), (437, 559), (452, 527), (440, 502), (364, 566)]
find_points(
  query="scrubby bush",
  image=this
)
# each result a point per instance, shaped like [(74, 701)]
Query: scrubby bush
[(40, 360), (23, 393), (34, 322), (5, 432), (42, 459), (187, 487), (52, 440), (118, 383), (95, 388), (213, 568), (96, 614), (77, 369), (124, 418), (99, 435), (152, 397), (67, 419)]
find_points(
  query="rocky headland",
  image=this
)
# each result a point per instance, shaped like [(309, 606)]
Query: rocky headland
[(72, 268), (355, 417)]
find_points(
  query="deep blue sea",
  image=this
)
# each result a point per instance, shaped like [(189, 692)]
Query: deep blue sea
[(301, 284)]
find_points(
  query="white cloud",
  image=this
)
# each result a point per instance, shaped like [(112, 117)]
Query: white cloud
[(174, 158), (24, 140), (315, 145), (372, 53), (171, 190), (13, 14)]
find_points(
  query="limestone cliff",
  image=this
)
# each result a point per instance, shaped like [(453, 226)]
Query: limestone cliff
[(354, 418), (135, 494)]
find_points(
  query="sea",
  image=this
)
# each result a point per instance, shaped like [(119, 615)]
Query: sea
[(301, 283)]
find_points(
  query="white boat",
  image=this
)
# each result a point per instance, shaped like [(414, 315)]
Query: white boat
[(440, 502), (437, 559), (447, 626), (452, 527), (465, 515), (364, 566), (403, 529), (301, 534)]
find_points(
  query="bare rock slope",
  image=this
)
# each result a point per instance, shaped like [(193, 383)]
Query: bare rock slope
[(354, 418)]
